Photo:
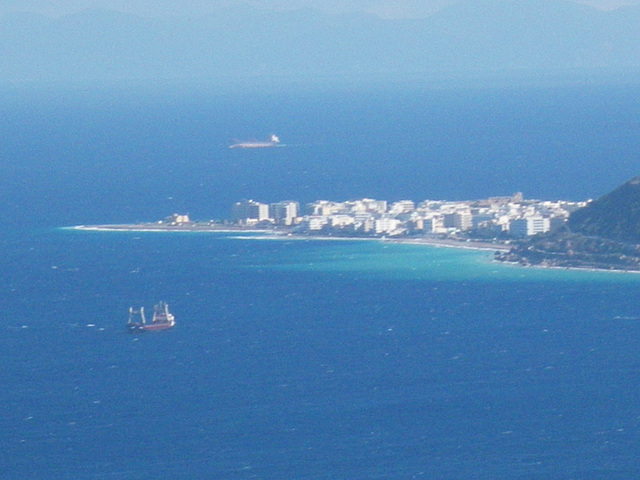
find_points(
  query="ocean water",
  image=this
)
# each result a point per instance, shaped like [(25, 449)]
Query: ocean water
[(312, 359), (308, 359), (121, 155)]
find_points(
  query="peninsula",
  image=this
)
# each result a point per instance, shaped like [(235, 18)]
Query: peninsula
[(489, 223)]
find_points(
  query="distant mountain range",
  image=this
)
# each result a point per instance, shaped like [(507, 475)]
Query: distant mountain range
[(499, 36)]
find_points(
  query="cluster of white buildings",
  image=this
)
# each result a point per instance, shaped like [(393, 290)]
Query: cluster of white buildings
[(511, 215), (249, 212)]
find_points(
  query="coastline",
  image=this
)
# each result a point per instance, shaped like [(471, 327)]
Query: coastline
[(287, 234), (144, 227), (444, 242), (267, 234), (570, 269)]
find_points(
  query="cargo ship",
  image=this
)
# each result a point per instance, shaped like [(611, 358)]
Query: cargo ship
[(162, 319)]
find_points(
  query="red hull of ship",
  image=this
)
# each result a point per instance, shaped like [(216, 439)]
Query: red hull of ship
[(149, 327), (156, 326)]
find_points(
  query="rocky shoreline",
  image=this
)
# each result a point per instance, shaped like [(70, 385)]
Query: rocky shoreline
[(564, 249)]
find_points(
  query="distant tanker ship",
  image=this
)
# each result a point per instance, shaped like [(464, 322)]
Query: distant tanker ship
[(273, 141)]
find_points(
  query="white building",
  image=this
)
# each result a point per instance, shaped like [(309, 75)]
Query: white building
[(284, 213), (522, 227), (341, 220), (460, 220), (177, 219), (325, 208), (387, 225), (368, 205), (317, 222), (403, 206), (248, 212), (434, 224), (364, 221)]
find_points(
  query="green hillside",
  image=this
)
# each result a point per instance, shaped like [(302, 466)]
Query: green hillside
[(615, 216)]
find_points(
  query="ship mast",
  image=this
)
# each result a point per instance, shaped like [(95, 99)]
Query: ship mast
[(136, 313), (162, 319)]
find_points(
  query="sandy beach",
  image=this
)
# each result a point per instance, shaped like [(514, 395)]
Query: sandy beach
[(287, 234)]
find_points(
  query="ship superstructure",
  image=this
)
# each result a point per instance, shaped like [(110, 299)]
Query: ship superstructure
[(273, 141), (162, 319)]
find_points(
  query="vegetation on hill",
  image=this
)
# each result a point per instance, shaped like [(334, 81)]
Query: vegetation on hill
[(615, 216)]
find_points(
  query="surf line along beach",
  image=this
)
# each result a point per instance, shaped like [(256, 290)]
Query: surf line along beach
[(287, 234)]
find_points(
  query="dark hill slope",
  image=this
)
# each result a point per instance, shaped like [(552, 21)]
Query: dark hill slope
[(615, 216)]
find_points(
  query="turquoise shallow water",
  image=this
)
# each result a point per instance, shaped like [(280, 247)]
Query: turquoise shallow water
[(378, 259), (311, 360)]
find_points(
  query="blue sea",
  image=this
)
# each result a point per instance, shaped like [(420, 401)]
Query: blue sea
[(296, 359)]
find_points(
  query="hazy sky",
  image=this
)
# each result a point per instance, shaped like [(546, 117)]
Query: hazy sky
[(384, 8)]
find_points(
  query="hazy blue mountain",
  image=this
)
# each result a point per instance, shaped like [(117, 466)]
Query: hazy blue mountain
[(470, 36)]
